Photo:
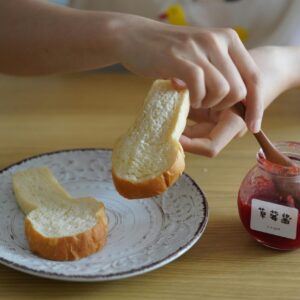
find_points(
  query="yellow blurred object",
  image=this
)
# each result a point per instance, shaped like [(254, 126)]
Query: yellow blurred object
[(242, 32), (175, 15)]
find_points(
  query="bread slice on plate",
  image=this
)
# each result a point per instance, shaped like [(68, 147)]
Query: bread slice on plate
[(148, 158), (57, 226)]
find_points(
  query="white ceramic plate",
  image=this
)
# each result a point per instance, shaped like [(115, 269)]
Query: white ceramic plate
[(143, 234)]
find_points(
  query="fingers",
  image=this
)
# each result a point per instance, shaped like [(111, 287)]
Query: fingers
[(217, 86), (207, 115), (201, 146), (242, 132), (224, 84), (236, 87), (198, 130), (210, 144), (254, 108), (178, 84), (193, 77), (251, 76), (206, 84), (219, 71)]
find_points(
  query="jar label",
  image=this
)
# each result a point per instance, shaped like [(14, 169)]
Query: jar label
[(275, 219)]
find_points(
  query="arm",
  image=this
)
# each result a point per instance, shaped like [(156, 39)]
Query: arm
[(280, 69), (40, 38), (212, 131)]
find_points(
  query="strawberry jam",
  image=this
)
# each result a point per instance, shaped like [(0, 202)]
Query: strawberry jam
[(269, 200)]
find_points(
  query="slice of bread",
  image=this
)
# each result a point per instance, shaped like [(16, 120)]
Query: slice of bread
[(57, 226), (148, 158)]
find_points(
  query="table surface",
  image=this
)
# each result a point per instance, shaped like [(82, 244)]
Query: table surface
[(91, 110)]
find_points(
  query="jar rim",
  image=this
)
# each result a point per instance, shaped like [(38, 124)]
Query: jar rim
[(291, 148)]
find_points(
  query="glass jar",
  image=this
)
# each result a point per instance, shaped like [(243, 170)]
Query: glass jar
[(269, 200)]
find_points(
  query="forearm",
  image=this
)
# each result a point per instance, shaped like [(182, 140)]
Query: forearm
[(280, 70), (39, 38), (293, 54)]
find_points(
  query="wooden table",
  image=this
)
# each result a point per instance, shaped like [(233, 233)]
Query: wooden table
[(91, 110)]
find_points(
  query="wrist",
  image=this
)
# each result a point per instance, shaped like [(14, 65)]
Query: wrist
[(109, 27), (100, 34), (127, 32)]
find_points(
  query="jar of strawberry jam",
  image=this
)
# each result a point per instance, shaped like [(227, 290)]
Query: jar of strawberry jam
[(269, 200)]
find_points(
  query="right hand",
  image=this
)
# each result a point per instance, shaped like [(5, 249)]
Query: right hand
[(212, 130), (213, 63)]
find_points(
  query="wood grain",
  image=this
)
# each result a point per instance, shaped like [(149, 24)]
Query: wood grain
[(91, 110)]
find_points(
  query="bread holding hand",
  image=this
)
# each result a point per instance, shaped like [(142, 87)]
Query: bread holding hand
[(148, 158), (57, 226)]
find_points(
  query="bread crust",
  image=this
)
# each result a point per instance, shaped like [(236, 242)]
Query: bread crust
[(67, 247), (153, 186)]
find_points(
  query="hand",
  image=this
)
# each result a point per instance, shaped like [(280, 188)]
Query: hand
[(213, 63), (213, 130)]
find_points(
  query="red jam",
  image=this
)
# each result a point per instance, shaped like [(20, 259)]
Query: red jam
[(275, 222), (267, 239)]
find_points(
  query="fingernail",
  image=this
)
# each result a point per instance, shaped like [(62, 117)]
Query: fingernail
[(178, 84), (255, 126)]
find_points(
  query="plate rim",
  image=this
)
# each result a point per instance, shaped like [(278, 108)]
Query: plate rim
[(118, 275)]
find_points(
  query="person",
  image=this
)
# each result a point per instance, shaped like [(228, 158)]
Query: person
[(213, 63)]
